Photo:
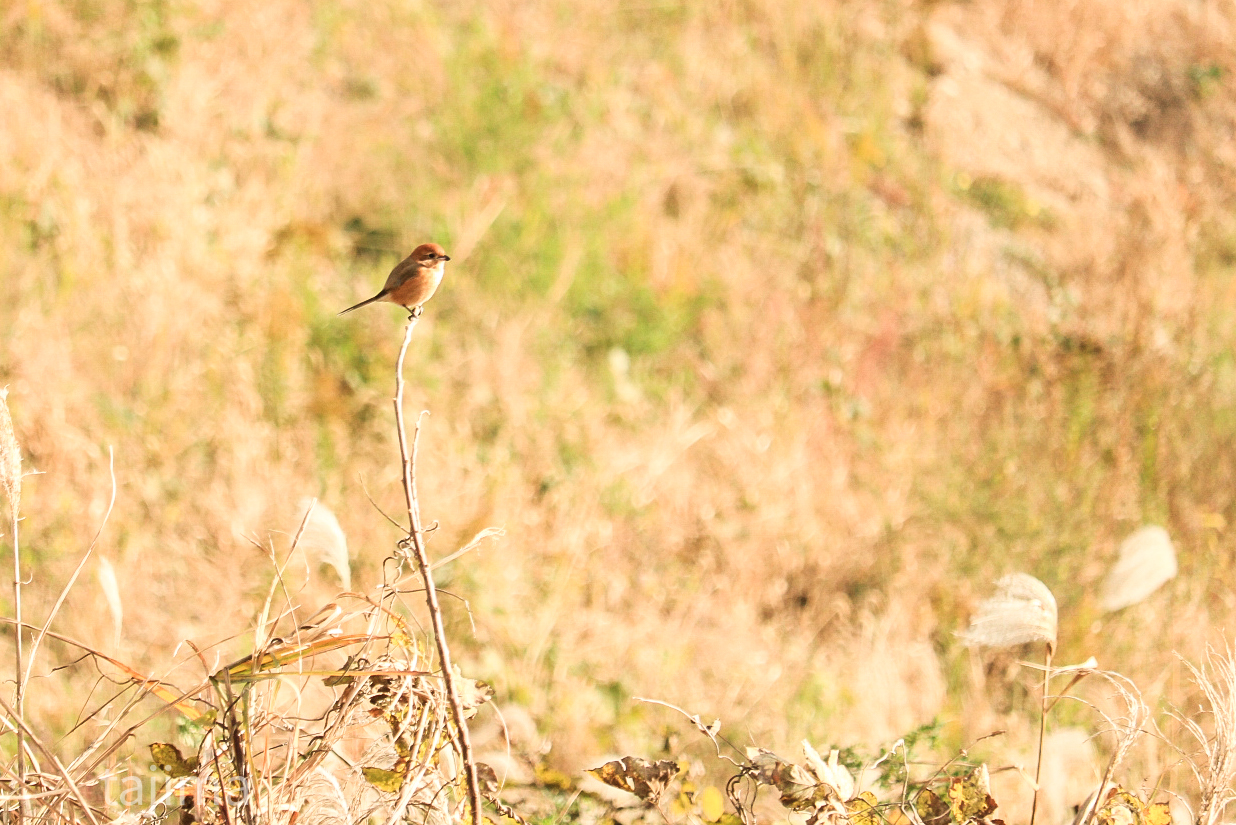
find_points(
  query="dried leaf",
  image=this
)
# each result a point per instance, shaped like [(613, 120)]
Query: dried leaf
[(931, 808), (647, 780), (383, 779), (863, 811), (472, 693), (342, 677), (487, 777), (799, 790), (489, 789), (167, 759), (831, 772), (969, 797), (897, 815)]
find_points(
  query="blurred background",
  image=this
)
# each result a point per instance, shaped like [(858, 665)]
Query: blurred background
[(773, 334)]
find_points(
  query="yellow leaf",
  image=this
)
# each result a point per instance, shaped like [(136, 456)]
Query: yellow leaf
[(552, 778), (1158, 814), (402, 639), (679, 806), (968, 797), (931, 808), (862, 809), (167, 759), (712, 804), (382, 779)]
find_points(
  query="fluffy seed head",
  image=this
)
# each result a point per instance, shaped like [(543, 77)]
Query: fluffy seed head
[(1022, 610), (10, 458), (1146, 562)]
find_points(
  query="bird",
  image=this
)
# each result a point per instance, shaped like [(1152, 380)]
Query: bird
[(413, 281)]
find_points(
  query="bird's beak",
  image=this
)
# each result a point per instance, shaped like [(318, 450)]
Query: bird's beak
[(444, 257)]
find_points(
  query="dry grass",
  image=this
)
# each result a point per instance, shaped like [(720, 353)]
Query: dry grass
[(773, 334)]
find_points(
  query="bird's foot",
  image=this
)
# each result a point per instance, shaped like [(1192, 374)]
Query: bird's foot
[(415, 312)]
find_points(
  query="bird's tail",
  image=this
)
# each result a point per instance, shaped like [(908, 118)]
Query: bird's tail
[(377, 297)]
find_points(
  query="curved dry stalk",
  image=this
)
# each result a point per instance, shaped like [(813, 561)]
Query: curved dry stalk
[(1216, 770), (1126, 727), (713, 731), (415, 542), (64, 591)]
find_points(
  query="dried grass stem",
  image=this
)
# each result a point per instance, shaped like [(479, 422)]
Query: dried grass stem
[(415, 542)]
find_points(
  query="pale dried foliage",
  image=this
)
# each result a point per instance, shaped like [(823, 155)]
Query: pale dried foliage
[(1146, 561), (1125, 716), (886, 399), (1213, 726)]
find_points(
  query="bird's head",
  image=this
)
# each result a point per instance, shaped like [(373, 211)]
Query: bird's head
[(429, 255)]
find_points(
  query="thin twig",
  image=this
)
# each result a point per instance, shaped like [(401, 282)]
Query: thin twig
[(381, 512), (10, 485), (416, 543), (64, 591), (711, 731), (19, 699), (1038, 766), (487, 533)]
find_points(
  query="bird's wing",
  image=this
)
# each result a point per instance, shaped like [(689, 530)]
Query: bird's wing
[(403, 270)]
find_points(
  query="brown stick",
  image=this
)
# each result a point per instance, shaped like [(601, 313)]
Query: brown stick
[(416, 542), (1038, 766), (19, 680)]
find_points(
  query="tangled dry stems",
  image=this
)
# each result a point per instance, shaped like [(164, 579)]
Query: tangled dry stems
[(1215, 767), (348, 712), (273, 727)]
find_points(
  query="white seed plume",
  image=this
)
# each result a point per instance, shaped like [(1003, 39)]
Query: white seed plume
[(10, 458), (111, 595), (1022, 610), (323, 541), (1146, 562)]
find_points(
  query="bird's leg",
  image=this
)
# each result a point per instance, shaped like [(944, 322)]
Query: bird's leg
[(415, 312)]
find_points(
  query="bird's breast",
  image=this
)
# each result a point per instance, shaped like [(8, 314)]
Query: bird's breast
[(419, 287)]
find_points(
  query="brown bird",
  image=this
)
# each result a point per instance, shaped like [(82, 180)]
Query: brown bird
[(414, 280)]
